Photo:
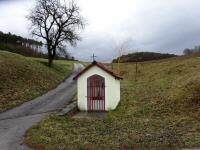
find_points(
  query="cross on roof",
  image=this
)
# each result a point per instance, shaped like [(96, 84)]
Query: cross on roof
[(93, 57)]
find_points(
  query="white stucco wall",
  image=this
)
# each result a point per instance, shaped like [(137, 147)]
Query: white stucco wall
[(112, 89)]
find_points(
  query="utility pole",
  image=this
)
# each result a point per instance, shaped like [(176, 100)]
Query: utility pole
[(136, 70), (136, 67), (118, 61)]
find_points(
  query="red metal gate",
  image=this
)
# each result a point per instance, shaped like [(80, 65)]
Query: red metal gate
[(96, 93)]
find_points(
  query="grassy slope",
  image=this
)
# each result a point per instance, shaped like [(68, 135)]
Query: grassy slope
[(161, 110), (23, 78)]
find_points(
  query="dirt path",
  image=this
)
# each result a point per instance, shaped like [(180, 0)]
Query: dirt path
[(15, 122)]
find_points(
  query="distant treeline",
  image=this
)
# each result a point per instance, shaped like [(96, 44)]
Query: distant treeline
[(191, 51), (17, 44), (24, 46), (142, 56)]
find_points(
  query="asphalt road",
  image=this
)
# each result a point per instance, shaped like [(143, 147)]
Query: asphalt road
[(15, 122)]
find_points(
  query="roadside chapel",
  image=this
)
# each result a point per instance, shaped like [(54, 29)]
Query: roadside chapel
[(98, 88)]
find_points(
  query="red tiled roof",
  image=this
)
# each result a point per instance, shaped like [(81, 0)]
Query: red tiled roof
[(100, 65)]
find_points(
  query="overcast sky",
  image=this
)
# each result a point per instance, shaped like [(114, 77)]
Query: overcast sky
[(166, 26)]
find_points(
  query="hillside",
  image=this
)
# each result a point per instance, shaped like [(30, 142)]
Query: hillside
[(17, 44), (159, 111), (23, 78), (143, 56)]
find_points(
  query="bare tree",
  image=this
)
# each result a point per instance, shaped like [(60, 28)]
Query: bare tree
[(57, 23), (121, 46)]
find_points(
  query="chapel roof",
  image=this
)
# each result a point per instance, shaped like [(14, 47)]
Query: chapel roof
[(100, 65)]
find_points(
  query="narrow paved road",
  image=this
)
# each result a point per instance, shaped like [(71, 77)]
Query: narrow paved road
[(15, 122)]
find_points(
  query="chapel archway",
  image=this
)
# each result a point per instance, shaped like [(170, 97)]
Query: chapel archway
[(96, 93)]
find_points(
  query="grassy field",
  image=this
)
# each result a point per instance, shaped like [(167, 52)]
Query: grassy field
[(23, 78), (159, 111)]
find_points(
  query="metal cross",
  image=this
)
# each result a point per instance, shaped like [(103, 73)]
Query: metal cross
[(93, 56)]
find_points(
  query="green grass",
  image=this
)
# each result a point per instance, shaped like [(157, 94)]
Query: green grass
[(159, 111), (24, 78)]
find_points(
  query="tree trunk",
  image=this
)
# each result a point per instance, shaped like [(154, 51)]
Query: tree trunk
[(50, 57), (50, 61), (52, 54)]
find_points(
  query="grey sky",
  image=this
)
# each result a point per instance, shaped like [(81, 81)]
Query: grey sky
[(148, 25)]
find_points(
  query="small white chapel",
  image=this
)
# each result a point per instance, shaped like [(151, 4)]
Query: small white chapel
[(98, 88)]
